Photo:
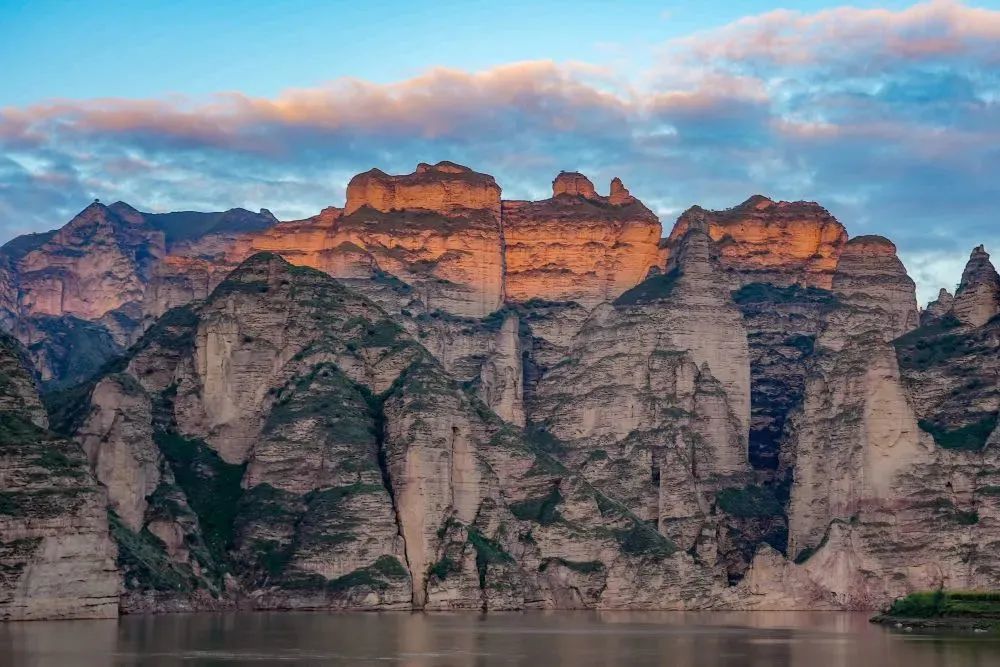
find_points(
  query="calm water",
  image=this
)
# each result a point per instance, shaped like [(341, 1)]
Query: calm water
[(539, 638)]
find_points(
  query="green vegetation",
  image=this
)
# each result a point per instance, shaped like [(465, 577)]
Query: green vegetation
[(971, 437), (643, 540), (443, 568), (750, 501), (42, 503), (488, 552), (650, 290), (543, 510), (144, 563), (376, 576), (583, 567), (211, 485), (934, 344), (955, 604)]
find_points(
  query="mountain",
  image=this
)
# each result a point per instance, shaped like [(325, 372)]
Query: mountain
[(435, 398)]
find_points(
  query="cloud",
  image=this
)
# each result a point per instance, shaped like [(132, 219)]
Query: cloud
[(891, 119)]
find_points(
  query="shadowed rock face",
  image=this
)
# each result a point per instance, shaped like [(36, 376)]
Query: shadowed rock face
[(977, 299)]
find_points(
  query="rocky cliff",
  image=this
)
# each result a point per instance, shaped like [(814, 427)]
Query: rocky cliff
[(578, 246), (57, 559), (780, 243), (434, 398)]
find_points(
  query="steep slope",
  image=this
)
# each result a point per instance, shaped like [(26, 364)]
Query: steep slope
[(56, 556), (651, 402)]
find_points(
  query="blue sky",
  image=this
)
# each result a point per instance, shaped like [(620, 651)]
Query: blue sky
[(886, 113)]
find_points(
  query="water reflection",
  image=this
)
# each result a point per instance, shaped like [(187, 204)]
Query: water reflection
[(736, 639)]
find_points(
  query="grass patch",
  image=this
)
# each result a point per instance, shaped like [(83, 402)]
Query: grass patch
[(650, 290), (765, 293), (940, 603), (971, 437), (542, 510), (750, 501), (211, 485)]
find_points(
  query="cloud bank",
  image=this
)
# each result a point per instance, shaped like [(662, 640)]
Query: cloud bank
[(891, 119)]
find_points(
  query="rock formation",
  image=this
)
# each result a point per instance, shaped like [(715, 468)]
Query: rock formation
[(432, 398), (58, 560), (977, 299), (578, 246), (781, 243)]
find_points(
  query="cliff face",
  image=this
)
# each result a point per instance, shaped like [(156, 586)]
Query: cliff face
[(781, 243), (877, 507), (578, 246), (57, 556), (95, 264), (86, 286), (319, 454), (432, 398)]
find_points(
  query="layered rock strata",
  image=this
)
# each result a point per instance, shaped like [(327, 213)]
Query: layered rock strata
[(763, 241), (57, 558), (578, 246)]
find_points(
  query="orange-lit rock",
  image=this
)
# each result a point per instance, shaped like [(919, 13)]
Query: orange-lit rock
[(578, 246), (445, 187), (782, 243), (573, 183)]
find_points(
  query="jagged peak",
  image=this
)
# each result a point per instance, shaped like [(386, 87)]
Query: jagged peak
[(756, 202), (618, 193), (442, 187), (444, 167), (978, 270)]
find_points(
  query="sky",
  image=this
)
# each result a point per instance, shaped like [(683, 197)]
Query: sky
[(888, 114)]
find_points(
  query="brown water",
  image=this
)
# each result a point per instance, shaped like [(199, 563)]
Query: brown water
[(742, 639)]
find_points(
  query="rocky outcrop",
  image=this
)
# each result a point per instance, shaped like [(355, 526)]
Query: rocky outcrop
[(578, 246), (445, 187), (763, 241), (977, 299), (937, 308), (432, 398), (97, 263), (57, 558), (879, 507)]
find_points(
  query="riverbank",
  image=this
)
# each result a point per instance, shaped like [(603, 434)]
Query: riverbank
[(971, 611)]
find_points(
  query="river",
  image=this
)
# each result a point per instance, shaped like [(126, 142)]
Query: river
[(736, 639)]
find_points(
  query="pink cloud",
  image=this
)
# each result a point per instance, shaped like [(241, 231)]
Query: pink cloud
[(938, 27)]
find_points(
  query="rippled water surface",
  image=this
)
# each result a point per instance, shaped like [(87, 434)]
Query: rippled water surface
[(536, 638)]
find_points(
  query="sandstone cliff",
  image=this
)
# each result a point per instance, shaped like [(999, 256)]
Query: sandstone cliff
[(288, 444), (763, 241), (57, 558), (433, 398), (578, 246)]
